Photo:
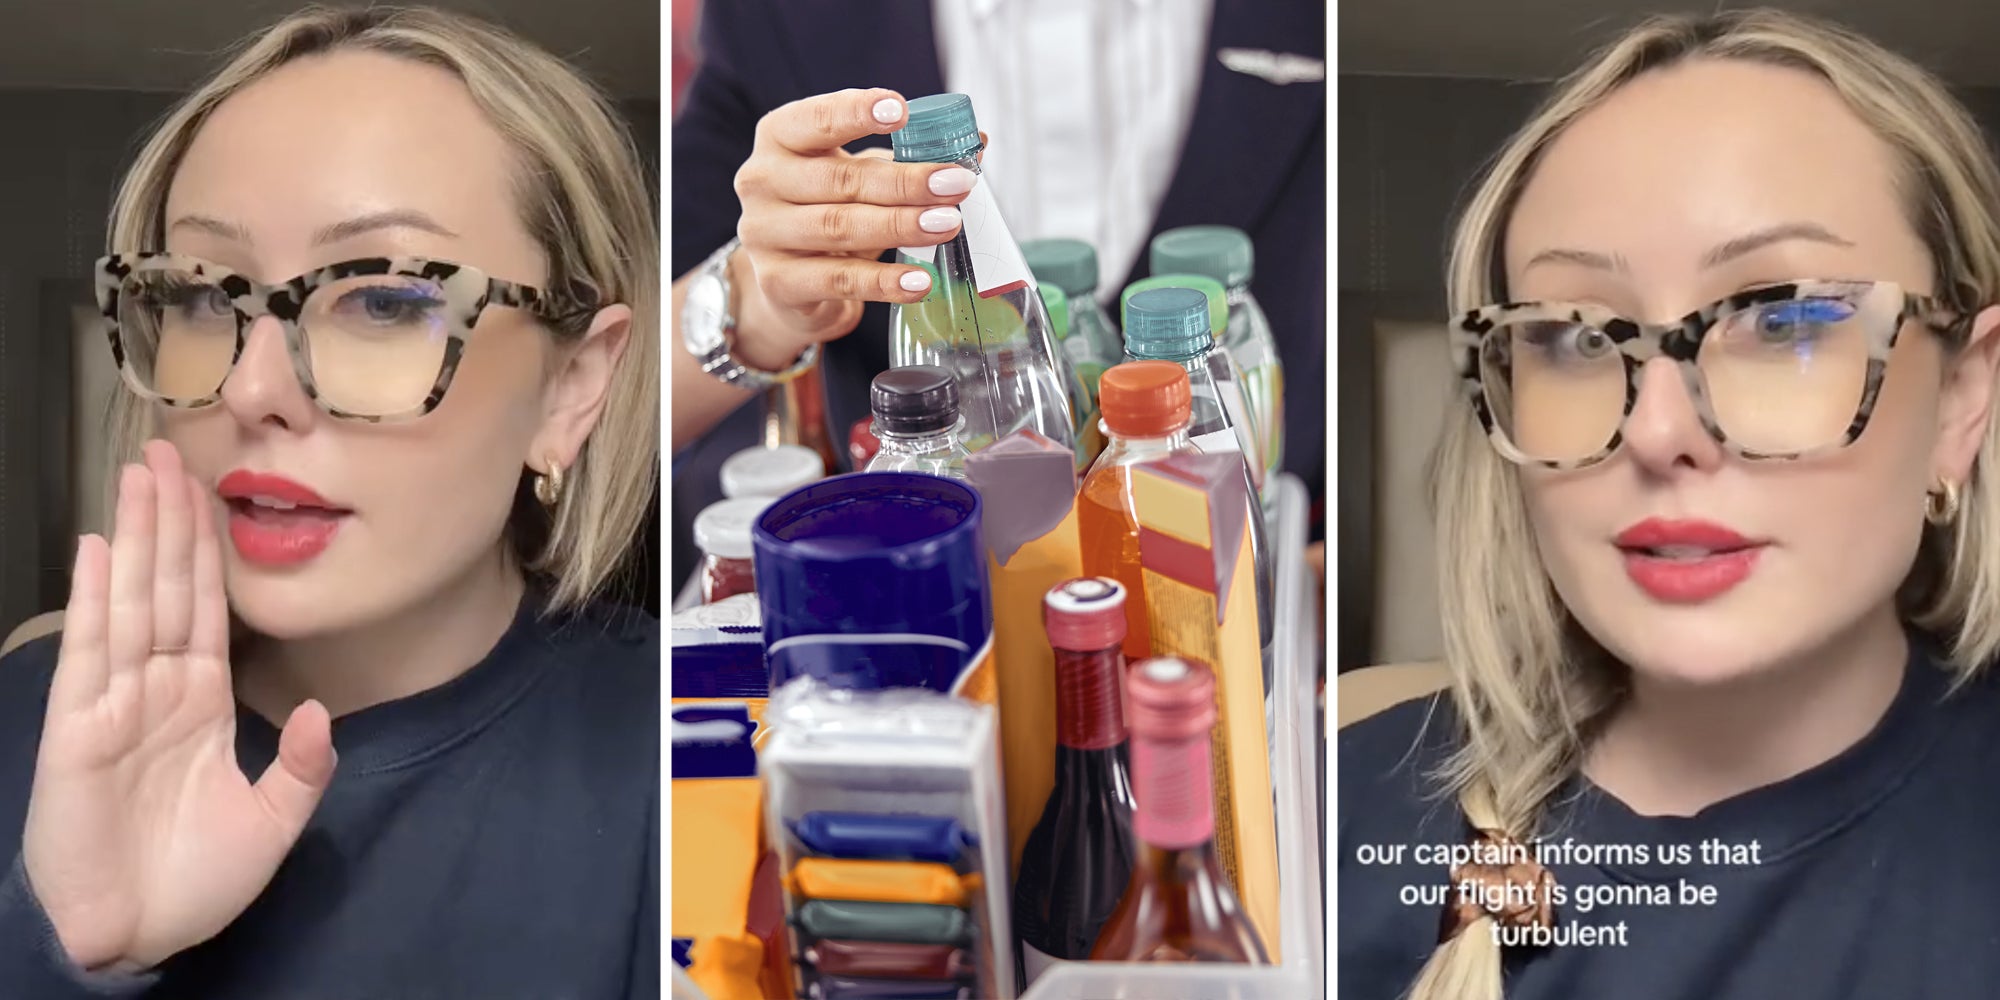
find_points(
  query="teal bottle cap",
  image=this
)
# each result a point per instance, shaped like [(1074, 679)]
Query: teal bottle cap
[(1058, 306), (941, 129), (1220, 252), (1167, 324), (1218, 301), (1069, 264)]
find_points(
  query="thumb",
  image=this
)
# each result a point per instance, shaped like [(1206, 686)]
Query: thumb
[(291, 787)]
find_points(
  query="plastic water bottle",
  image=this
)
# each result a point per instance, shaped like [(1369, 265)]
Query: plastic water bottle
[(982, 320), (1226, 254)]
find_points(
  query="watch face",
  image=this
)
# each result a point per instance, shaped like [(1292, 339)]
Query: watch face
[(701, 315)]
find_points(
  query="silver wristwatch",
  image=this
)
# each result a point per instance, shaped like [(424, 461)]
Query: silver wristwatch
[(708, 328)]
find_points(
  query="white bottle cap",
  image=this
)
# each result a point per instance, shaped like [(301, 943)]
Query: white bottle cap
[(770, 472), (723, 528)]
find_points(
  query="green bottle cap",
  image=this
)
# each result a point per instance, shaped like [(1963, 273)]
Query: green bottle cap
[(1218, 301), (1220, 252), (1068, 264), (941, 129), (1167, 324), (1058, 306)]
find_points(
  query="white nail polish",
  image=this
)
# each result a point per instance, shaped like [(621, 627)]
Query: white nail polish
[(914, 281), (952, 180), (939, 220), (887, 110)]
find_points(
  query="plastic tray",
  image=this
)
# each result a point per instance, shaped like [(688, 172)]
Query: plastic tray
[(1295, 780)]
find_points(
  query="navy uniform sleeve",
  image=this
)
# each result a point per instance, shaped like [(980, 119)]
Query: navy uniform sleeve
[(713, 135), (32, 960)]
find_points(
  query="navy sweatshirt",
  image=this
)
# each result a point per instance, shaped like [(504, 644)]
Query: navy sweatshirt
[(1875, 877), (496, 838)]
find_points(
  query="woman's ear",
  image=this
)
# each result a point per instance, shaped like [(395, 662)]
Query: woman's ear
[(1965, 403), (576, 395)]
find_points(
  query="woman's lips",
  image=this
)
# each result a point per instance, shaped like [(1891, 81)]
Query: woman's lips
[(275, 521), (1687, 561)]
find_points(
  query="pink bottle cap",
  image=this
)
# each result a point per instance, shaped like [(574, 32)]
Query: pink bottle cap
[(1170, 699), (1085, 614)]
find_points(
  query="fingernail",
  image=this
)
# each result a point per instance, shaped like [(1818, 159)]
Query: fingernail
[(952, 180), (939, 220), (887, 110), (914, 281)]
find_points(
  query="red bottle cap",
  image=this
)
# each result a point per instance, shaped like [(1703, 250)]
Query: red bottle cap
[(1169, 700), (1085, 615), (1145, 398), (862, 443)]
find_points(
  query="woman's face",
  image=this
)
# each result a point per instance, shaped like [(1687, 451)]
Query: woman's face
[(1687, 185), (336, 158)]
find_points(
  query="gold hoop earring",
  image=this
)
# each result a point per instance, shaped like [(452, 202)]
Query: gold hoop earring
[(1941, 504), (549, 485)]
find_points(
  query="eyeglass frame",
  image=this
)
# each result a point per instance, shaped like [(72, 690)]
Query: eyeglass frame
[(1681, 341), (467, 291)]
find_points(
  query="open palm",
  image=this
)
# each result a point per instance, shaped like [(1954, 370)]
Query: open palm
[(143, 836)]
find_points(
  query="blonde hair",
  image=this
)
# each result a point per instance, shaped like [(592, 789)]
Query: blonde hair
[(1529, 686), (583, 198)]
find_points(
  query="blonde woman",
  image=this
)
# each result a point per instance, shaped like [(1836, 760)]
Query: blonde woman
[(1720, 572), (336, 711)]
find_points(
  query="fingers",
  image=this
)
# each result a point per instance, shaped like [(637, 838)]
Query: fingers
[(209, 636), (862, 178), (847, 228), (132, 548), (829, 121), (82, 668), (173, 556), (804, 281), (291, 787)]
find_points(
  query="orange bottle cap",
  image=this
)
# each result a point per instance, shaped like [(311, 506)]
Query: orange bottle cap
[(1145, 398)]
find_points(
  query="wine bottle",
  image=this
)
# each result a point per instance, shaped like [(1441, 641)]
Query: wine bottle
[(1079, 855), (1179, 906)]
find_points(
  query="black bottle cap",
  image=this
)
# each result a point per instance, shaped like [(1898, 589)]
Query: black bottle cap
[(918, 399)]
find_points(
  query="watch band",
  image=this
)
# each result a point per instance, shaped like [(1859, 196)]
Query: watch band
[(708, 328)]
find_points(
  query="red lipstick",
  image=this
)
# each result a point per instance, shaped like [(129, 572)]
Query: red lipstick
[(1686, 562), (274, 521)]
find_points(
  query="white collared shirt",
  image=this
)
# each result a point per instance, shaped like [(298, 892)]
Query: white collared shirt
[(1086, 104)]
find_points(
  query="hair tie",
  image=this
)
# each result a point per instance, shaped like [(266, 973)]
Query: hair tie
[(1514, 891)]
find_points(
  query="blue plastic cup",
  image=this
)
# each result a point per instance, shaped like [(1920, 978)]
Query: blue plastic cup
[(875, 580)]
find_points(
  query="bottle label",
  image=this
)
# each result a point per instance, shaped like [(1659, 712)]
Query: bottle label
[(1036, 961), (1222, 442), (998, 265)]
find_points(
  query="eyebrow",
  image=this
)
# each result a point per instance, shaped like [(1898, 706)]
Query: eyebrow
[(395, 218), (1717, 256), (1781, 233)]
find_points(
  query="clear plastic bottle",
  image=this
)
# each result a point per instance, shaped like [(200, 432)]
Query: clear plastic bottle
[(1226, 255), (917, 422), (983, 322), (1146, 416), (1172, 324), (1090, 438), (1218, 389), (1092, 343)]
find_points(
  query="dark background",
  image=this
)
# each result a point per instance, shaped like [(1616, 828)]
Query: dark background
[(1428, 91), (81, 83)]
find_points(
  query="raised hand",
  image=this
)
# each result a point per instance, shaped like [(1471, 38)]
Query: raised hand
[(143, 835)]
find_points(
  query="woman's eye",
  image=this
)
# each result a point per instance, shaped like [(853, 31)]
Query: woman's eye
[(390, 305), (1785, 322), (1571, 342)]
